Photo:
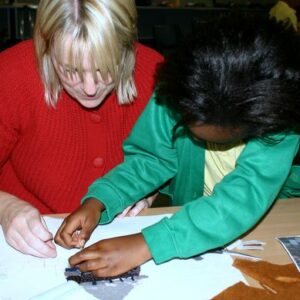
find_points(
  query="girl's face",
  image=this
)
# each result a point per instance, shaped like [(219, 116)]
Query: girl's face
[(88, 91), (214, 134)]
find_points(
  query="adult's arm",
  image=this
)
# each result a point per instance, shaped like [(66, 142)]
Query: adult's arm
[(23, 227), (22, 224)]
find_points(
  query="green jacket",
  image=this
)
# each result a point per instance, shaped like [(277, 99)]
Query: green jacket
[(204, 222)]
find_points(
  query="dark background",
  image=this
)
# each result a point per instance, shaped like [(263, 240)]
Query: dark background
[(160, 24)]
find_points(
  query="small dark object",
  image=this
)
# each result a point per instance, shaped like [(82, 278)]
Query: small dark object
[(80, 277)]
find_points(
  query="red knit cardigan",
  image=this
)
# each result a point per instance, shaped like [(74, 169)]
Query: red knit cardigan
[(49, 156)]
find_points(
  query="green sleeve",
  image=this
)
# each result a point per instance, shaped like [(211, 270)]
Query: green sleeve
[(236, 205), (150, 161)]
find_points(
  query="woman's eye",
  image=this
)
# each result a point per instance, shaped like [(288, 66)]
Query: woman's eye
[(71, 71), (71, 74)]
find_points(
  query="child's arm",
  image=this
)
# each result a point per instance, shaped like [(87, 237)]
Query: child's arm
[(235, 206), (150, 161), (76, 229)]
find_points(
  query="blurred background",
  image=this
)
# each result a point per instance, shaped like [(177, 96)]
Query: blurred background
[(161, 23)]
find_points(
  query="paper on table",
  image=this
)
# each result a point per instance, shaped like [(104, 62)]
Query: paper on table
[(23, 276)]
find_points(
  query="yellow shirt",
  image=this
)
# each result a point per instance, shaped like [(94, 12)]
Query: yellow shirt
[(282, 12), (220, 160)]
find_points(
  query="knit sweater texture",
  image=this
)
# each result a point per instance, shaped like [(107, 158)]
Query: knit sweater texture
[(49, 156)]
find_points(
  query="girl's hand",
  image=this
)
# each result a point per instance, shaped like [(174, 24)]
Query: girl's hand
[(76, 229), (135, 209), (111, 257), (24, 228)]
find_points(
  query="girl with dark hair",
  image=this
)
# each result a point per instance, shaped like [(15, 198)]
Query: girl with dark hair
[(219, 137)]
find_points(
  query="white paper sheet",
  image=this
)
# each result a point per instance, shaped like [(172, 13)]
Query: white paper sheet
[(23, 276)]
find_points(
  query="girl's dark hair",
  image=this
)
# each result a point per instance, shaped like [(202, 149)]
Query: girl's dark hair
[(236, 72)]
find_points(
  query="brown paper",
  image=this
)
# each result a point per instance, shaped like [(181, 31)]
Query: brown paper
[(278, 282)]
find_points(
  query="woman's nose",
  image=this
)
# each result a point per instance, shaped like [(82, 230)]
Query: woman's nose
[(89, 85)]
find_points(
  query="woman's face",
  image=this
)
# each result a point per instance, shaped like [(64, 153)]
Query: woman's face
[(89, 92), (214, 134)]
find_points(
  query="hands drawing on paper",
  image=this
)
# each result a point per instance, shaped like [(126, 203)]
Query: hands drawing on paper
[(77, 228), (108, 257), (111, 257), (24, 228)]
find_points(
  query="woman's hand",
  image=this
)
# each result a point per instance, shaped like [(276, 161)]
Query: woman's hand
[(114, 256), (24, 228), (135, 209), (76, 229)]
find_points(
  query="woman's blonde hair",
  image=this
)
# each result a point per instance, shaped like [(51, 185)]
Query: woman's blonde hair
[(105, 30)]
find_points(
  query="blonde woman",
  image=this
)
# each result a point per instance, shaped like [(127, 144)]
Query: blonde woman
[(68, 100)]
